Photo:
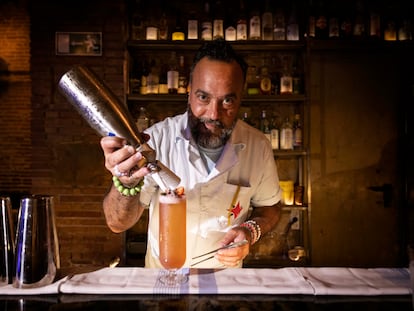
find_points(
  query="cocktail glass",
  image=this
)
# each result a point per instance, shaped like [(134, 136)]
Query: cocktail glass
[(172, 236)]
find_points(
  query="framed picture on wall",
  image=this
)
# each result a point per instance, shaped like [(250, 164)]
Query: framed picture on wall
[(79, 43)]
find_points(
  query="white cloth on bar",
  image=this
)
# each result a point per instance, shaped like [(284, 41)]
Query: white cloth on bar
[(289, 280)]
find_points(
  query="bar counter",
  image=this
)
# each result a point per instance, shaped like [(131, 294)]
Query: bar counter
[(230, 289)]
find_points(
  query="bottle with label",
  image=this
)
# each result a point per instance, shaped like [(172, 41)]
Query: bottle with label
[(333, 21), (142, 120), (163, 27), (206, 23), (247, 119), (178, 34), (254, 25), (153, 79), (192, 31), (163, 82), (359, 22), (241, 27), (274, 133), (252, 81), (152, 30), (279, 25), (297, 133), (292, 27), (286, 79), (218, 21), (182, 77), (265, 125), (138, 21), (265, 81), (144, 76), (267, 22), (311, 16), (321, 23), (172, 74), (286, 135), (230, 31)]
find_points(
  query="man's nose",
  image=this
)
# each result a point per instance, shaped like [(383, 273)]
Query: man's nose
[(214, 109)]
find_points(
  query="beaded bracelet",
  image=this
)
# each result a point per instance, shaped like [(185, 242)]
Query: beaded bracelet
[(254, 229), (129, 192)]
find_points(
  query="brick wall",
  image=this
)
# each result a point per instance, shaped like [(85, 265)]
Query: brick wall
[(46, 147)]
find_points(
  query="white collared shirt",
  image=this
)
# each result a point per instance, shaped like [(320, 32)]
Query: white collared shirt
[(247, 162)]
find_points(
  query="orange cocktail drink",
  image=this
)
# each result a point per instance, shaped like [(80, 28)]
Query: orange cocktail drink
[(172, 235)]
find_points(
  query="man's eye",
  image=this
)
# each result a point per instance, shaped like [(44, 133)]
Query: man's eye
[(228, 101), (203, 98)]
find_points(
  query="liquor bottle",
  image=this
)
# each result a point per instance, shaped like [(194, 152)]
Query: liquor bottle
[(163, 27), (311, 16), (247, 119), (390, 22), (192, 31), (321, 24), (346, 23), (152, 30), (254, 25), (230, 31), (359, 22), (218, 21), (172, 74), (333, 21), (297, 133), (138, 21), (163, 82), (252, 81), (142, 120), (286, 80), (374, 23), (206, 23), (153, 79), (274, 133), (241, 27), (292, 27), (286, 135), (267, 22), (297, 80), (265, 80), (144, 76), (178, 34), (182, 76), (264, 125), (279, 25)]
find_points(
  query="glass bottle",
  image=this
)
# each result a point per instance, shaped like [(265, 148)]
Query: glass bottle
[(286, 79), (286, 135), (279, 25), (182, 76), (142, 120), (265, 80), (206, 23), (178, 34), (241, 27), (360, 19), (163, 27), (311, 16), (321, 24), (267, 22), (153, 79), (144, 76), (274, 133), (172, 74), (297, 132), (192, 32), (254, 25), (218, 21), (264, 125), (292, 27), (252, 81), (163, 82)]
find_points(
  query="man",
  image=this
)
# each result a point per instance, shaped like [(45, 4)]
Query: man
[(226, 167)]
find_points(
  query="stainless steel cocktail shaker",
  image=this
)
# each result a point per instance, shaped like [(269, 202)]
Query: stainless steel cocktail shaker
[(102, 110), (37, 248), (6, 241)]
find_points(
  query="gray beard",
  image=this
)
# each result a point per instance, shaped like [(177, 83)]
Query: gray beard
[(203, 136)]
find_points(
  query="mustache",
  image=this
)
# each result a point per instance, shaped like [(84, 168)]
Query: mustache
[(216, 123)]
